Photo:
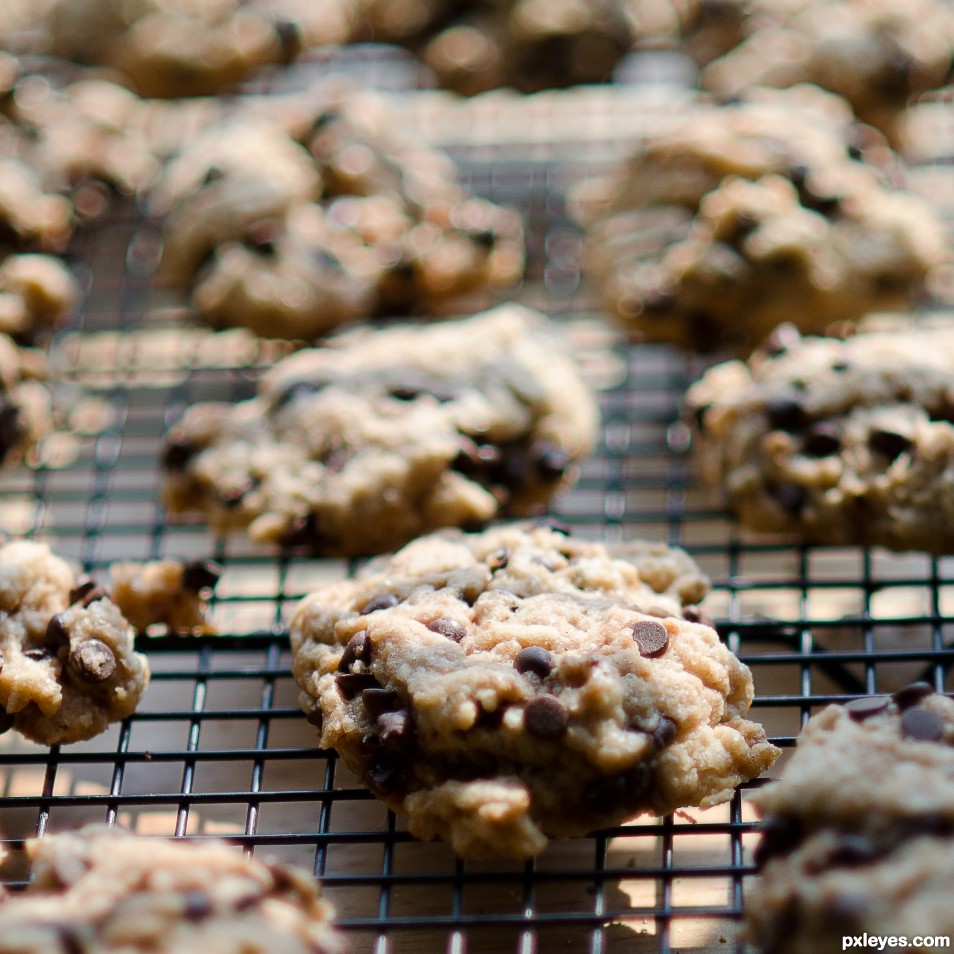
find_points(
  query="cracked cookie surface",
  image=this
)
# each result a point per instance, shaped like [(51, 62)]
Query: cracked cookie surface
[(67, 664), (510, 686), (359, 446), (859, 829), (103, 889)]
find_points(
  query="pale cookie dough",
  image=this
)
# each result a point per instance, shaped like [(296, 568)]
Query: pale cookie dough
[(360, 446), (30, 215), (26, 406), (35, 291), (878, 54), (750, 214), (859, 831), (106, 891), (335, 214), (67, 665), (168, 593), (515, 685), (838, 442)]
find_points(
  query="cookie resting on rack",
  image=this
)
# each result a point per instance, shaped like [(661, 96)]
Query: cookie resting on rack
[(107, 891), (745, 215), (515, 685), (26, 406), (362, 445), (835, 441), (67, 664), (859, 829)]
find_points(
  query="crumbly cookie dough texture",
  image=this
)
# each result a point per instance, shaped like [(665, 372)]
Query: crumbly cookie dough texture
[(859, 830), (362, 445), (506, 687), (878, 54), (293, 231), (750, 214), (67, 665), (102, 889), (26, 406), (837, 441)]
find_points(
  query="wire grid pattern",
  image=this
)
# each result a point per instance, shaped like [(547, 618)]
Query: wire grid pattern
[(219, 745)]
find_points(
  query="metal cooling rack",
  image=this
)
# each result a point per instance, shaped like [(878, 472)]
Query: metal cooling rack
[(219, 746)]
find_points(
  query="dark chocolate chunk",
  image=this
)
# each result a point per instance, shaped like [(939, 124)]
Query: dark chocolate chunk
[(888, 443), (866, 706), (665, 733), (490, 718), (196, 905), (10, 430), (198, 575), (37, 653), (913, 694), (551, 461), (781, 834), (57, 634), (785, 414), (546, 718), (534, 659), (448, 628), (394, 728), (823, 440), (790, 497), (485, 238), (381, 602), (923, 725), (629, 790), (289, 39), (379, 700), (177, 454), (83, 586), (499, 559), (359, 647), (351, 683), (93, 660), (386, 773), (651, 637)]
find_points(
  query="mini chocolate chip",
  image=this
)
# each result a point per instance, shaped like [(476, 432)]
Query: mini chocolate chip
[(447, 627), (840, 367), (854, 151), (551, 461), (913, 694), (922, 724), (93, 660), (546, 718), (351, 683), (381, 602), (379, 700), (499, 559), (853, 850), (394, 728), (56, 633), (95, 594), (665, 733), (823, 440), (315, 716), (197, 905), (888, 443), (628, 790), (790, 497), (651, 637), (694, 614), (781, 834), (198, 575), (534, 659), (386, 773), (83, 586), (785, 414), (37, 653), (177, 454), (359, 647), (289, 39), (866, 707)]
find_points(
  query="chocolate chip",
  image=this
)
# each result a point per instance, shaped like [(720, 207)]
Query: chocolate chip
[(381, 602), (866, 707), (652, 638), (546, 718), (315, 716), (485, 238), (556, 525), (499, 559), (359, 647), (379, 700), (57, 634), (394, 728), (386, 773), (888, 443), (37, 653), (70, 939), (93, 595), (913, 694), (781, 834), (785, 414), (83, 586), (197, 905), (198, 575), (10, 430), (289, 39), (212, 174), (694, 614), (853, 850), (823, 440), (665, 733), (840, 367), (534, 659), (490, 718), (922, 724), (854, 152), (447, 627), (629, 790), (177, 454), (551, 461), (93, 660), (790, 497), (351, 683)]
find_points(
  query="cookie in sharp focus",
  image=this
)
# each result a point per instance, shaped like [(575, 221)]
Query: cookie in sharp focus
[(511, 686)]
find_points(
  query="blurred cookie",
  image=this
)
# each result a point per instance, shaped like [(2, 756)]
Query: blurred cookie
[(26, 406)]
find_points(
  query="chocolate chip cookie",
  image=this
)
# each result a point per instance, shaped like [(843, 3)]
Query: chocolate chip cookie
[(169, 593), (362, 445), (837, 441), (35, 291), (67, 665), (515, 685), (26, 406), (291, 230), (754, 213), (859, 831), (102, 889)]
